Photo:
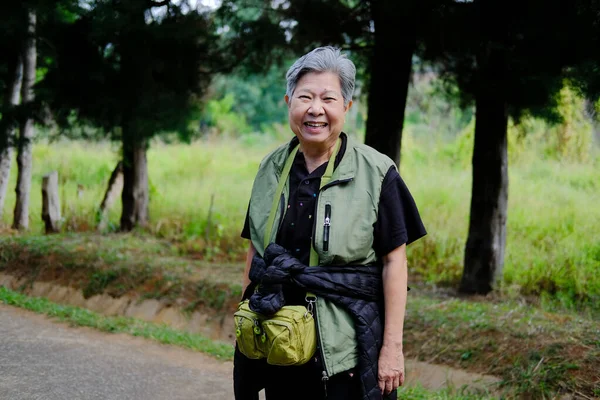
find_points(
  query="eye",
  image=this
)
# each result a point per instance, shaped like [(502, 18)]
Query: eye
[(330, 98), (304, 97)]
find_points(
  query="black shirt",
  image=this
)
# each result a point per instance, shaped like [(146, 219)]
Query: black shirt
[(398, 220)]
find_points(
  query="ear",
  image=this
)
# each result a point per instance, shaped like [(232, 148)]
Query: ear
[(287, 99), (348, 106)]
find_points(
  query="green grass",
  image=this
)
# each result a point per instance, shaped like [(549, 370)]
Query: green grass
[(552, 249), (552, 232), (76, 316), (420, 393)]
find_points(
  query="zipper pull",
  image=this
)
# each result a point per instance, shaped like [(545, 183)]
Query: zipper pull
[(326, 226), (325, 379)]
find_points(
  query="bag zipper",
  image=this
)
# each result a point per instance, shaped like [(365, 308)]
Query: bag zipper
[(257, 329), (326, 225)]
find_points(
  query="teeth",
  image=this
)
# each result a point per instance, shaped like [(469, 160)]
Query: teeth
[(315, 125)]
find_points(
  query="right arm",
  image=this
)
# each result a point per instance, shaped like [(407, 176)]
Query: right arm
[(249, 256)]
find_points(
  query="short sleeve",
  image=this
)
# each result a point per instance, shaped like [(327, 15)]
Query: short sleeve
[(246, 229), (398, 220)]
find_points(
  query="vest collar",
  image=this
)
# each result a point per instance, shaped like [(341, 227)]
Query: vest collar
[(344, 171)]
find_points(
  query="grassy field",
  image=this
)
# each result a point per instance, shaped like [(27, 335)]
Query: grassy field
[(199, 195)]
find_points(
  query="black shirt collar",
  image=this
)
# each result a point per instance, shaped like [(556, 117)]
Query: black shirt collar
[(339, 156)]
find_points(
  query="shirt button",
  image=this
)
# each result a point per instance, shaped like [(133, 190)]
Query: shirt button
[(306, 182)]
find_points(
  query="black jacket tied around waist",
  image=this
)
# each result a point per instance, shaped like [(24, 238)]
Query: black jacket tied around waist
[(357, 288)]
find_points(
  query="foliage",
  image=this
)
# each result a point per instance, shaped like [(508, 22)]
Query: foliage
[(432, 106), (220, 116), (13, 34), (119, 70), (268, 33), (252, 105), (474, 37), (531, 137), (258, 97), (420, 393), (573, 138)]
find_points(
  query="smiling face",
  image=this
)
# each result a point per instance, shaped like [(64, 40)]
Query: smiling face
[(316, 110)]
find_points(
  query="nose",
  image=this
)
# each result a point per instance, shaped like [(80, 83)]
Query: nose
[(316, 107)]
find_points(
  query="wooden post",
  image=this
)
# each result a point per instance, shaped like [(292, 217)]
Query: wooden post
[(208, 219), (114, 188), (51, 202)]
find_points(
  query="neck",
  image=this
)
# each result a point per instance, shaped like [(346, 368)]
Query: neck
[(316, 157)]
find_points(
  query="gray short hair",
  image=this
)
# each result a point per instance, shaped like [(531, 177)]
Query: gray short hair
[(323, 59)]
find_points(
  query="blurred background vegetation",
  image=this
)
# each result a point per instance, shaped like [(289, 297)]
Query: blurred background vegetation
[(552, 244), (190, 98)]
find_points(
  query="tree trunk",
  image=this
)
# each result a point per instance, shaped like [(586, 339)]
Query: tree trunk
[(51, 203), (484, 250), (115, 185), (7, 127), (24, 159), (388, 87), (135, 193)]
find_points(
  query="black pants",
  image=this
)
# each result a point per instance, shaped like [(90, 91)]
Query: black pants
[(302, 382)]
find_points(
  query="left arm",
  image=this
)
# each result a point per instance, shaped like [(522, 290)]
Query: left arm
[(391, 357)]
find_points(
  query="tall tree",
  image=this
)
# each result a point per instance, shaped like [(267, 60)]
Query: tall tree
[(21, 24), (8, 123), (508, 60), (12, 33), (26, 127), (396, 31), (135, 69)]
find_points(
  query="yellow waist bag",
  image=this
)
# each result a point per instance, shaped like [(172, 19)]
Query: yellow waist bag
[(288, 337)]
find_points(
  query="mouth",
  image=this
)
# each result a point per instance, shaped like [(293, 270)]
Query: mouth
[(315, 124)]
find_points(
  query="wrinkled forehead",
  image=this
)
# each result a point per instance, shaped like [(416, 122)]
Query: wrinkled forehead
[(320, 82)]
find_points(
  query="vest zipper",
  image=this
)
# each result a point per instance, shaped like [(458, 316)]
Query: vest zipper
[(324, 373), (326, 225), (325, 380)]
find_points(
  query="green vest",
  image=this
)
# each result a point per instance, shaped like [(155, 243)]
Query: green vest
[(351, 201)]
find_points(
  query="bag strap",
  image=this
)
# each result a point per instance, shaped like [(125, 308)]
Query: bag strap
[(282, 179)]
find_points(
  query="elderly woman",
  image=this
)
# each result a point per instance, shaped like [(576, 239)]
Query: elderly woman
[(337, 214)]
